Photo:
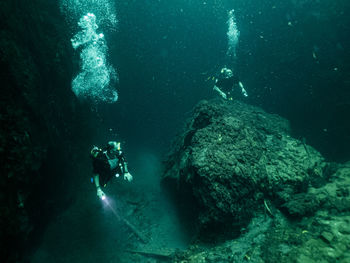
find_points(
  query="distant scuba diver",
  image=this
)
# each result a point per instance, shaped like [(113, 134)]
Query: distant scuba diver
[(228, 85), (107, 163)]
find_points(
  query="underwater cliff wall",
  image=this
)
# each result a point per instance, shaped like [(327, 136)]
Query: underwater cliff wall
[(40, 121)]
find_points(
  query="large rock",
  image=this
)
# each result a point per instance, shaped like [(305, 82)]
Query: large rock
[(236, 159)]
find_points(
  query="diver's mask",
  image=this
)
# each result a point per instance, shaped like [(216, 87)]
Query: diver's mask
[(114, 147), (226, 73), (95, 151)]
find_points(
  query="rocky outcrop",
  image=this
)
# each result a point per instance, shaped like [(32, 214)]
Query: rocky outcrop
[(277, 198), (234, 158)]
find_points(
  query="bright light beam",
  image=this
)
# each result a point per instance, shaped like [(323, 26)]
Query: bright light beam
[(109, 205), (126, 222)]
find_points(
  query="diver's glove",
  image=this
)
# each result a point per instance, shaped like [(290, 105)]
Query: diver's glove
[(100, 193), (222, 94), (244, 92), (128, 176)]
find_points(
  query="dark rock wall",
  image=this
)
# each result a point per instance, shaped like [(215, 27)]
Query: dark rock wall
[(40, 120)]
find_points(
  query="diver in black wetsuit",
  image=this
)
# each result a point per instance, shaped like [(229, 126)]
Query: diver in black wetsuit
[(108, 162), (228, 85)]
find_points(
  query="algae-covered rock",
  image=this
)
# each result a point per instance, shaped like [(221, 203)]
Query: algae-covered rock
[(333, 195), (329, 239), (322, 235), (233, 156)]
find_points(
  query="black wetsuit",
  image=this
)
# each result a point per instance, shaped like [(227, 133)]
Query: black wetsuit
[(230, 86), (102, 167)]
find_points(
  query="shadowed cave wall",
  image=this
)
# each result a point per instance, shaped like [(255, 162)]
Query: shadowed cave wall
[(41, 122)]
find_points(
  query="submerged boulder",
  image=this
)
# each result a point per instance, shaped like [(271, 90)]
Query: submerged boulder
[(235, 159)]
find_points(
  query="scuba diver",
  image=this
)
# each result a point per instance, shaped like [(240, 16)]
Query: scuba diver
[(228, 85), (107, 163)]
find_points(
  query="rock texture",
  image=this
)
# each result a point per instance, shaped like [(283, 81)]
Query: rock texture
[(40, 120), (278, 196), (233, 157)]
